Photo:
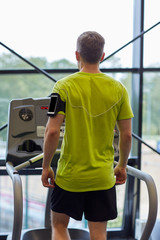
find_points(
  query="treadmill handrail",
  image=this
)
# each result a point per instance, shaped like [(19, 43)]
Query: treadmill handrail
[(153, 199), (18, 201)]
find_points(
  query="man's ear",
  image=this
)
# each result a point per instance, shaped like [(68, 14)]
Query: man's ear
[(102, 57), (77, 55)]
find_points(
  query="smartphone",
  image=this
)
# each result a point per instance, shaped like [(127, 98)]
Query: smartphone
[(53, 105)]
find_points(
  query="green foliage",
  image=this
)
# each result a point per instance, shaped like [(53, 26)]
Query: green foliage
[(151, 100), (10, 61), (62, 64)]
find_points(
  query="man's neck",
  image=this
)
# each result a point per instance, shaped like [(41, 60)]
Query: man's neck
[(90, 68)]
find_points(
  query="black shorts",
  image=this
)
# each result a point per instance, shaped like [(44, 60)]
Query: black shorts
[(97, 206)]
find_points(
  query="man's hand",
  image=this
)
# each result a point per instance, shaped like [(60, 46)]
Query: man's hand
[(47, 174), (121, 174)]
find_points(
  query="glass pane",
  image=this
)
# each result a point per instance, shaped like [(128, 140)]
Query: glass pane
[(151, 110), (122, 59), (10, 61), (151, 134), (51, 32), (34, 199), (3, 144), (152, 38), (6, 204), (152, 48), (151, 13)]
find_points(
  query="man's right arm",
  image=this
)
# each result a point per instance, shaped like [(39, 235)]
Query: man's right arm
[(51, 139), (125, 140)]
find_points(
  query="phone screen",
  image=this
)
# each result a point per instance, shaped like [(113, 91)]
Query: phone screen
[(53, 104)]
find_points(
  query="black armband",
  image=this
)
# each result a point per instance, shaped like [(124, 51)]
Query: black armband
[(56, 105)]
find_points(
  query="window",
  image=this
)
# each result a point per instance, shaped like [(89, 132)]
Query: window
[(45, 33)]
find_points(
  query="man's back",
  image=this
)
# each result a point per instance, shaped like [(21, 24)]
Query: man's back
[(93, 104)]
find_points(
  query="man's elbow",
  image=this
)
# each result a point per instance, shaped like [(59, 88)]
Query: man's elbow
[(52, 132), (128, 136)]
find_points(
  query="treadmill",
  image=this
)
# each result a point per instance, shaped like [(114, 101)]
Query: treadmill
[(27, 121)]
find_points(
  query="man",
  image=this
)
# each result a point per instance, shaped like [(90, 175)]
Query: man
[(85, 179)]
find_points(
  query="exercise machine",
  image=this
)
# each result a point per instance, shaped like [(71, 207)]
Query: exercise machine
[(27, 120)]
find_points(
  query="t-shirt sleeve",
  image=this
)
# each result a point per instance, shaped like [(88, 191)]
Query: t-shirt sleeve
[(125, 107), (58, 89)]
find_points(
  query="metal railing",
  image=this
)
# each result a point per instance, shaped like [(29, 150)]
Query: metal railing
[(18, 201), (18, 196)]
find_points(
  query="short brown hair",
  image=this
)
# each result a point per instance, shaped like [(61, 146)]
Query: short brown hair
[(90, 46)]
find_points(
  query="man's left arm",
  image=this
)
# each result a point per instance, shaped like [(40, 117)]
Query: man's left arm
[(51, 139)]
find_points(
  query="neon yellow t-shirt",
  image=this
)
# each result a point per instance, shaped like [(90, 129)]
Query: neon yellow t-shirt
[(94, 102)]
